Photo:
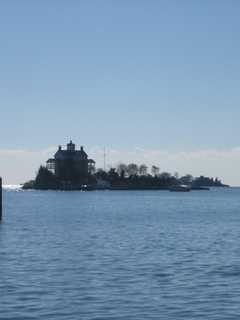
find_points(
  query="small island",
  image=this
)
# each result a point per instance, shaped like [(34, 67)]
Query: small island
[(71, 169)]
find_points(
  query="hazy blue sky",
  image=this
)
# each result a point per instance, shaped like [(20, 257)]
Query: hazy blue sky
[(159, 75)]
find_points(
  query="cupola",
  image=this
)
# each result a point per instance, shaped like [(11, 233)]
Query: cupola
[(71, 146)]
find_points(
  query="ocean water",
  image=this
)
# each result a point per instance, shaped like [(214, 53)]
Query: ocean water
[(133, 255)]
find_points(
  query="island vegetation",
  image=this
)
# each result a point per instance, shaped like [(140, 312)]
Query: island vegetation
[(123, 177)]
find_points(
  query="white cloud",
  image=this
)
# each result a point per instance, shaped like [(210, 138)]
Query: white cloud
[(17, 166)]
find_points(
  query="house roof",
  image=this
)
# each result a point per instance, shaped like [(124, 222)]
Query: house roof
[(66, 154)]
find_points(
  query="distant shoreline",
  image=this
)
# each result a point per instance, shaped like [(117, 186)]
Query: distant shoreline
[(89, 188)]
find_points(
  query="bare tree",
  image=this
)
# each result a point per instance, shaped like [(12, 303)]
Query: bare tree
[(132, 169), (143, 170), (155, 170), (122, 169)]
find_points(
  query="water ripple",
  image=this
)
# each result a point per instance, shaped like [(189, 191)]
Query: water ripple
[(119, 255)]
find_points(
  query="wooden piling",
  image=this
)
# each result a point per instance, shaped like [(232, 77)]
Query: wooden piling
[(0, 199)]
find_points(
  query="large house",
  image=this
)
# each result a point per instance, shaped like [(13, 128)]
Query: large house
[(70, 164)]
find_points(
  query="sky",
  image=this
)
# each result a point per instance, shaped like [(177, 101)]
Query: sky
[(152, 81)]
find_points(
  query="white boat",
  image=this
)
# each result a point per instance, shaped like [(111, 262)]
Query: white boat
[(180, 188)]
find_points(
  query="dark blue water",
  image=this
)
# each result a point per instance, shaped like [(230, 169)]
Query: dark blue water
[(120, 255)]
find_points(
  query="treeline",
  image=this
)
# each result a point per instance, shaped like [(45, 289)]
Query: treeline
[(133, 175), (130, 176)]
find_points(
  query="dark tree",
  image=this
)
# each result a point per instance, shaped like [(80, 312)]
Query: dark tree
[(45, 179)]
